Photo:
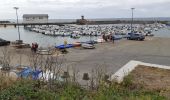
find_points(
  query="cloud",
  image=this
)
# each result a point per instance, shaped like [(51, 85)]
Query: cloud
[(89, 8)]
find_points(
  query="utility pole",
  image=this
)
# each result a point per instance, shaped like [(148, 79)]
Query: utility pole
[(132, 20), (16, 8)]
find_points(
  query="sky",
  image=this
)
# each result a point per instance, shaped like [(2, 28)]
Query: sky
[(73, 9)]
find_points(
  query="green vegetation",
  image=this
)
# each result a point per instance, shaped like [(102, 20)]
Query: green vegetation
[(163, 22), (37, 90)]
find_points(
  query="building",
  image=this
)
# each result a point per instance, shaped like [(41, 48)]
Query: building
[(82, 21), (35, 18)]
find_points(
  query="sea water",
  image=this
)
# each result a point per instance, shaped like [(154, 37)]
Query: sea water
[(11, 34)]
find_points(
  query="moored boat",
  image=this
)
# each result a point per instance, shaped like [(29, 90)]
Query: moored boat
[(87, 46)]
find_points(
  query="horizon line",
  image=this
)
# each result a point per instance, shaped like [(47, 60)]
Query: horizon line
[(99, 18)]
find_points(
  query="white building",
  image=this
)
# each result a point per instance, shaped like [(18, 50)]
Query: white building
[(35, 18)]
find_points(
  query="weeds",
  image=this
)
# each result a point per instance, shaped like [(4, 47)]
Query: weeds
[(53, 89), (25, 89)]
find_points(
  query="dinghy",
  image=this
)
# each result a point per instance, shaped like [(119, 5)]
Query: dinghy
[(100, 40), (87, 46), (89, 42), (77, 44), (64, 46), (44, 52)]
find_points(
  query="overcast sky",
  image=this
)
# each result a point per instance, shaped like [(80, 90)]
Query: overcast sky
[(68, 9)]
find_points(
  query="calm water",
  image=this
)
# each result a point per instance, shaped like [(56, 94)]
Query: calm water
[(10, 33), (165, 32)]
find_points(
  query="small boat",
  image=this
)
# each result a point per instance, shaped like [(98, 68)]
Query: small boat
[(19, 68), (4, 42), (25, 72), (23, 45), (87, 46), (75, 36), (77, 44), (44, 52), (90, 42), (149, 34), (28, 72), (100, 40), (64, 46)]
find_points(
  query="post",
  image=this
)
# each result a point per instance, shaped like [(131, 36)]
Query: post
[(132, 20), (16, 8)]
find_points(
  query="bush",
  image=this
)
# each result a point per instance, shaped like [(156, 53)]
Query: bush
[(27, 90)]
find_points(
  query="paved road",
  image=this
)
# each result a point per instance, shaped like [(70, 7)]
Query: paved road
[(114, 56), (108, 55)]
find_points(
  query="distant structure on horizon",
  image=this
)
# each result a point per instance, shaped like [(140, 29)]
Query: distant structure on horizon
[(35, 18), (82, 21)]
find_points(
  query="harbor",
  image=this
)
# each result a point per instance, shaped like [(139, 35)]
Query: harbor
[(85, 33), (152, 50), (105, 52), (84, 50)]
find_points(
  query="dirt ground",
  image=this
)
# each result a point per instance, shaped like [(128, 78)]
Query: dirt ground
[(20, 56)]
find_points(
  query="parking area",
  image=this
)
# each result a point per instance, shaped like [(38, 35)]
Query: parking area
[(114, 56)]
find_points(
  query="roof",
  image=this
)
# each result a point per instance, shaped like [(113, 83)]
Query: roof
[(35, 15)]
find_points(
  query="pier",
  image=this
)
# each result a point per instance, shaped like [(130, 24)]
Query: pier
[(88, 22), (33, 24)]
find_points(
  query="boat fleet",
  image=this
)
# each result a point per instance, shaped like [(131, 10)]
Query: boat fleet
[(76, 31), (118, 31)]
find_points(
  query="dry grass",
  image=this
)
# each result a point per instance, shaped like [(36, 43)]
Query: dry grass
[(153, 79), (6, 79)]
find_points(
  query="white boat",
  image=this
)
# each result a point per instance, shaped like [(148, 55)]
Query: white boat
[(44, 52), (100, 40), (57, 33), (75, 36), (87, 46)]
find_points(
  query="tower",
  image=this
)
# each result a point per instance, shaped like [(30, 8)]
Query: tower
[(82, 17)]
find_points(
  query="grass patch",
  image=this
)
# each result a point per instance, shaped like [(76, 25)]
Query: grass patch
[(27, 90), (130, 89)]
